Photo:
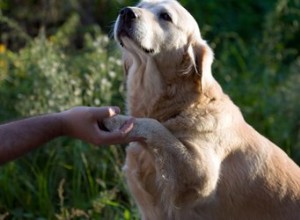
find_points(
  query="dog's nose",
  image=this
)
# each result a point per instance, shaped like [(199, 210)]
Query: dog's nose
[(127, 14)]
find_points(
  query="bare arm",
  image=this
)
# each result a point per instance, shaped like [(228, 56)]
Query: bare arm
[(20, 137)]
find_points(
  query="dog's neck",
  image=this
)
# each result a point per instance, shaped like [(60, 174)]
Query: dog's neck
[(154, 94)]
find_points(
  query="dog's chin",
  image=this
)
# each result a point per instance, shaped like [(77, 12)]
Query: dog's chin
[(128, 43)]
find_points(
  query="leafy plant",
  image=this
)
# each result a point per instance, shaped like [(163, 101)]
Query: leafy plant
[(66, 179)]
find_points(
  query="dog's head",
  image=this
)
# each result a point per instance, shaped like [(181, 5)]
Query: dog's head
[(165, 32)]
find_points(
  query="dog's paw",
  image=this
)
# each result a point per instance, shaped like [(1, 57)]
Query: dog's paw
[(116, 122), (143, 127)]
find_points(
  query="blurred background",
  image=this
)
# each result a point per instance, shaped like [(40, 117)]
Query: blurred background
[(58, 54)]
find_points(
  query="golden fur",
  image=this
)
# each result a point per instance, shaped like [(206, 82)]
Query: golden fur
[(200, 159)]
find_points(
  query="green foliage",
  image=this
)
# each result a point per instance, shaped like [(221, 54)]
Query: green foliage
[(45, 77), (58, 58), (257, 74), (67, 179)]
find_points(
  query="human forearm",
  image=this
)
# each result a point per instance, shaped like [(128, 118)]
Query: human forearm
[(85, 123), (20, 137)]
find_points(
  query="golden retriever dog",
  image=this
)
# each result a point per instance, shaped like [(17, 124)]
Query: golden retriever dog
[(199, 158)]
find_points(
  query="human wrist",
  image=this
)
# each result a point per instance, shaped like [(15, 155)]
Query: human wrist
[(62, 120)]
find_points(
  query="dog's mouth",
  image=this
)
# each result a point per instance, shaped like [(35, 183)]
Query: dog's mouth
[(122, 33), (146, 50)]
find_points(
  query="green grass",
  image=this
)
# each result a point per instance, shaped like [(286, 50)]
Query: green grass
[(64, 179)]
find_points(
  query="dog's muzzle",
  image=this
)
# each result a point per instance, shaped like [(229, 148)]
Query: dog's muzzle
[(127, 18)]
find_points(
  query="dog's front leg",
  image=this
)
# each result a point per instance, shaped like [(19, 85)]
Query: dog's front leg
[(186, 173)]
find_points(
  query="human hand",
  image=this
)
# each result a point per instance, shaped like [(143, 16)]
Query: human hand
[(86, 123)]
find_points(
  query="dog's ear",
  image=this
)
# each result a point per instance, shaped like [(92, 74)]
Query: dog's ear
[(202, 57)]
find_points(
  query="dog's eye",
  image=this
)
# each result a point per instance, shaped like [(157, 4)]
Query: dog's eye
[(165, 16)]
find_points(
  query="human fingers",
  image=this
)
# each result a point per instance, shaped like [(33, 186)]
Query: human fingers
[(118, 137), (113, 137), (107, 111), (127, 126), (121, 134)]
